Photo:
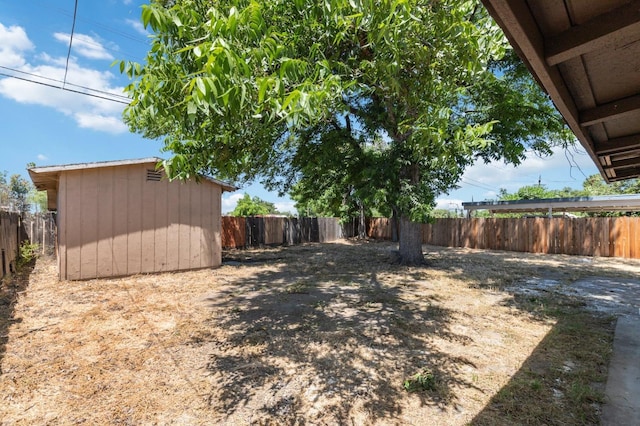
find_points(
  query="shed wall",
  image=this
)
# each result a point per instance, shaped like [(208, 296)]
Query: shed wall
[(113, 221)]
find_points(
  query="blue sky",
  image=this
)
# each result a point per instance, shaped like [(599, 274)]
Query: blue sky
[(50, 126)]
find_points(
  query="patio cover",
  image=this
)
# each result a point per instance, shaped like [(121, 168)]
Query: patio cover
[(586, 55)]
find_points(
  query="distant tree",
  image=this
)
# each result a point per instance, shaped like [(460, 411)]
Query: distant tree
[(595, 185), (528, 192), (4, 190), (255, 206), (443, 213), (19, 188), (38, 199)]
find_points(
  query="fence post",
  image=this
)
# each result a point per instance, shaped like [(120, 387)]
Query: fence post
[(44, 235)]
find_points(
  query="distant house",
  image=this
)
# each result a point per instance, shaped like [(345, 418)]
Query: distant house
[(125, 217)]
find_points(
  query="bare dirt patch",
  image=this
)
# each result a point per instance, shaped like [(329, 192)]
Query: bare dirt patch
[(313, 334)]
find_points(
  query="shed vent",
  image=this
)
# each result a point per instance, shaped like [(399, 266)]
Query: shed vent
[(154, 175)]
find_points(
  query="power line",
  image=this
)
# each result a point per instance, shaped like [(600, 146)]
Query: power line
[(68, 84), (107, 28), (477, 186), (64, 88), (73, 27)]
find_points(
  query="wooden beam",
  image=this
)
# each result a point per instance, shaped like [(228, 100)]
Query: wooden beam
[(612, 29), (625, 174), (624, 164), (609, 111), (618, 145)]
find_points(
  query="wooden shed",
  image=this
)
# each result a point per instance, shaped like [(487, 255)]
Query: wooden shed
[(125, 217)]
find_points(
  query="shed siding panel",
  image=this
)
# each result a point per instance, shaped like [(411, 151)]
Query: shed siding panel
[(173, 229), (206, 232), (105, 223), (134, 220), (184, 233), (62, 227), (195, 222), (119, 209), (217, 226), (148, 212), (74, 231), (89, 224), (161, 225)]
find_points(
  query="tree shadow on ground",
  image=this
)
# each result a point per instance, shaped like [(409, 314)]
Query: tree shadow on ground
[(327, 334), (562, 381), (10, 287)]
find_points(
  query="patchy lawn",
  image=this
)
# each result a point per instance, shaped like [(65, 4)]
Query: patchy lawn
[(313, 334)]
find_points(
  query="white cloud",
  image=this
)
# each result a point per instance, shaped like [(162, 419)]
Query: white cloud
[(496, 175), (87, 111), (85, 45), (230, 201), (13, 46), (137, 26), (42, 157), (104, 123), (286, 206)]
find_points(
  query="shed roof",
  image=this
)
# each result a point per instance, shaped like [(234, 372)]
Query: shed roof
[(46, 178), (586, 55), (572, 204)]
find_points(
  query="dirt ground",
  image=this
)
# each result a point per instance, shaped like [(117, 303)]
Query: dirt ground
[(322, 334)]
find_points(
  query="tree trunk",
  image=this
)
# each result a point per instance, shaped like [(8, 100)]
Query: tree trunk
[(395, 232), (362, 226), (410, 242)]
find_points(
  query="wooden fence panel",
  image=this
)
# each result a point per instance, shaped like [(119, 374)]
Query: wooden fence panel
[(234, 232), (588, 236), (634, 240), (239, 232), (615, 237), (9, 242)]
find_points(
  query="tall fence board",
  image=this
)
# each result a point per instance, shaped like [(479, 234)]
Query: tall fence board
[(10, 237), (238, 232), (592, 236)]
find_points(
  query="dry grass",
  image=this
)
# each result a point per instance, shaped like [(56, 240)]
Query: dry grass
[(313, 334)]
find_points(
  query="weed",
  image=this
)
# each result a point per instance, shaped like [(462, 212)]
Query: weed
[(299, 287), (535, 384), (28, 252), (422, 381), (582, 393)]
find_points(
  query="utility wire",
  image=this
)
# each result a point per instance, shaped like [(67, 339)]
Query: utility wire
[(73, 28), (477, 186), (110, 29), (104, 92), (64, 88)]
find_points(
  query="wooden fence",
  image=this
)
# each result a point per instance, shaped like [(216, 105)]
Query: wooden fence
[(240, 232), (10, 237), (595, 236), (41, 229)]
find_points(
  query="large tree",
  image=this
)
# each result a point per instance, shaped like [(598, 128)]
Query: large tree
[(407, 93)]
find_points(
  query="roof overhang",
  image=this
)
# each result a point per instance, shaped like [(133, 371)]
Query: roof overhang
[(46, 178), (586, 55), (573, 204)]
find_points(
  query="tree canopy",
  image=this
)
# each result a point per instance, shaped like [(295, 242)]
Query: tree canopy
[(379, 103), (255, 206)]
